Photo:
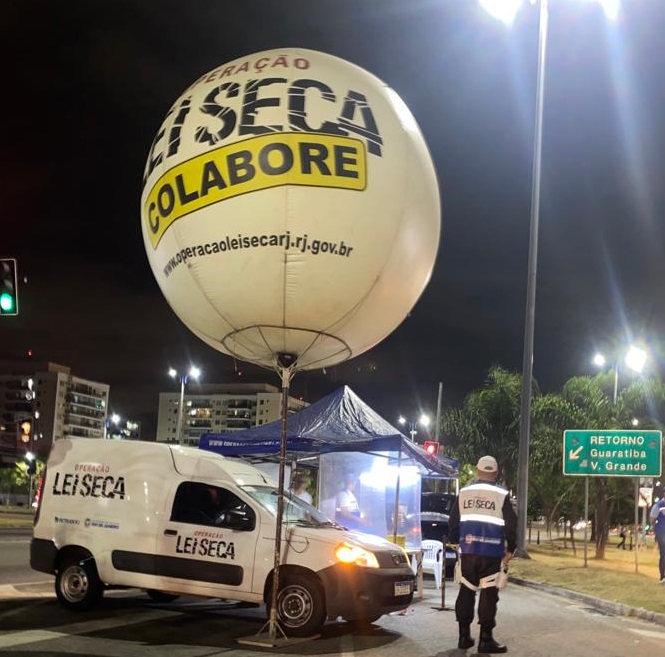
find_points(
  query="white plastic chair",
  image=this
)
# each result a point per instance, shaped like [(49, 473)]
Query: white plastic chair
[(433, 558)]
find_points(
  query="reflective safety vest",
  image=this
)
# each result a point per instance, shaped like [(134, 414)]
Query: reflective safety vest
[(481, 529)]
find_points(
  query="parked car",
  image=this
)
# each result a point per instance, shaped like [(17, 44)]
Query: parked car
[(434, 514)]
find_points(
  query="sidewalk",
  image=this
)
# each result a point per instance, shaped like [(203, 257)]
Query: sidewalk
[(433, 596), (616, 608)]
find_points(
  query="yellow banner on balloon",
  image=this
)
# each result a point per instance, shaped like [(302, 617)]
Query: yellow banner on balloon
[(270, 160)]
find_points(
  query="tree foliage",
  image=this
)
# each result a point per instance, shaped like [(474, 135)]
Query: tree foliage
[(488, 423)]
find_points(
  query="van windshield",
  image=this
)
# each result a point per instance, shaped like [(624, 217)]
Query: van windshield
[(295, 509)]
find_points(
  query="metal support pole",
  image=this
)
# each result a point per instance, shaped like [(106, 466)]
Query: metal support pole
[(616, 383), (396, 510), (586, 516), (637, 502), (273, 625), (527, 361), (180, 406), (437, 429)]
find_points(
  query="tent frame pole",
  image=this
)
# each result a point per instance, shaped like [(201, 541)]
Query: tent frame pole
[(396, 511)]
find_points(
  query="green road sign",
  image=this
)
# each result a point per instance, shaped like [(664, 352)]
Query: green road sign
[(612, 453)]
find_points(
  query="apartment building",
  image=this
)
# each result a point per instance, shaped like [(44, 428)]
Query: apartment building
[(42, 401), (219, 408)]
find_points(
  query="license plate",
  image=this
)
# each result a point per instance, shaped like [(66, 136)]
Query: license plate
[(402, 588)]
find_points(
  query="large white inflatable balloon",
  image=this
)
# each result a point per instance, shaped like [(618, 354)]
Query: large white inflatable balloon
[(290, 206)]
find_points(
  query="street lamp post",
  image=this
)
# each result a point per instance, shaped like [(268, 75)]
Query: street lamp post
[(194, 372), (505, 10), (30, 458), (635, 358), (423, 420)]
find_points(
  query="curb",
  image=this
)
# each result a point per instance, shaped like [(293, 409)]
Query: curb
[(617, 608), (27, 590)]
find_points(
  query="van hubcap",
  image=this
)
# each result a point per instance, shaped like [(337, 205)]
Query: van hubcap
[(75, 584), (295, 606)]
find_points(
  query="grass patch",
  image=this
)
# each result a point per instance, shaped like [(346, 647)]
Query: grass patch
[(15, 517), (613, 578)]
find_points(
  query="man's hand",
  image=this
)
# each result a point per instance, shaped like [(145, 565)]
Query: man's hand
[(507, 557)]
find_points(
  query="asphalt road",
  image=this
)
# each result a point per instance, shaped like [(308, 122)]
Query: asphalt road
[(15, 558), (532, 623)]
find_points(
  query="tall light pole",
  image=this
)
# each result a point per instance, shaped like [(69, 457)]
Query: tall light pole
[(194, 372), (30, 458), (423, 420), (506, 10)]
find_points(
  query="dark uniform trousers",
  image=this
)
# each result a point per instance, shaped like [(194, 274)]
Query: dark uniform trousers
[(475, 567)]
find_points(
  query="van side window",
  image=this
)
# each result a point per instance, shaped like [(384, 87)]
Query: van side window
[(203, 504)]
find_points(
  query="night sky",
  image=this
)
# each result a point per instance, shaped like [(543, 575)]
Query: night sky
[(87, 84)]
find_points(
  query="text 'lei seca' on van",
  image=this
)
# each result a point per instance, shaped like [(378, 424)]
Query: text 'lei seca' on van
[(205, 547), (89, 485)]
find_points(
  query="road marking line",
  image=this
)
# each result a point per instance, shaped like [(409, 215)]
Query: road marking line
[(650, 633), (346, 646), (9, 591), (33, 636), (29, 636)]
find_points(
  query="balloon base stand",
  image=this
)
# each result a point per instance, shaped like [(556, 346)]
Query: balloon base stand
[(263, 639), (443, 606)]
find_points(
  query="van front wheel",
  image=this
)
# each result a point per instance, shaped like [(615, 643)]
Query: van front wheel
[(77, 584), (300, 606)]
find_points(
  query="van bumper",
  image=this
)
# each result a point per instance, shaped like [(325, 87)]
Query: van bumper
[(357, 593), (42, 555)]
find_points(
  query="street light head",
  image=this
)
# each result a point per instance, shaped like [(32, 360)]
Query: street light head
[(194, 372), (401, 419), (599, 360), (115, 418), (636, 358), (424, 420), (172, 373), (503, 10), (611, 8)]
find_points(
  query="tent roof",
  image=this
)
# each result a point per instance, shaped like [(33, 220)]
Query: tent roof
[(339, 422)]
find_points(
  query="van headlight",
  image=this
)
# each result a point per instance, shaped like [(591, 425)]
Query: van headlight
[(347, 553)]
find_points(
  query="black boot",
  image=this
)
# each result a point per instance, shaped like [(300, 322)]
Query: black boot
[(465, 640), (487, 644)]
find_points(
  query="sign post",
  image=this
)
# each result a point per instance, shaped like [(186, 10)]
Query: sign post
[(599, 453)]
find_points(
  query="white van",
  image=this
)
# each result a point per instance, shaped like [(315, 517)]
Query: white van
[(181, 521)]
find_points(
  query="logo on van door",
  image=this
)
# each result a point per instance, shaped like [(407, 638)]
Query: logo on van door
[(102, 524), (89, 485)]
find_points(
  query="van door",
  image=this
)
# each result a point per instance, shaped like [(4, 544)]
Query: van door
[(207, 546)]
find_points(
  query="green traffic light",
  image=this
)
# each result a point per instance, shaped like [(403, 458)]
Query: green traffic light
[(7, 304)]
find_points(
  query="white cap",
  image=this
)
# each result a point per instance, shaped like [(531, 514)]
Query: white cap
[(487, 464)]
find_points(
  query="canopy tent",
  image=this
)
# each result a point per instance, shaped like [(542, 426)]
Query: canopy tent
[(339, 422)]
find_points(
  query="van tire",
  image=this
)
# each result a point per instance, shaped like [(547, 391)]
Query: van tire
[(77, 584), (161, 596), (300, 605)]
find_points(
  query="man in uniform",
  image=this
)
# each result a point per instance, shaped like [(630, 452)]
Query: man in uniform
[(484, 524), (657, 515)]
